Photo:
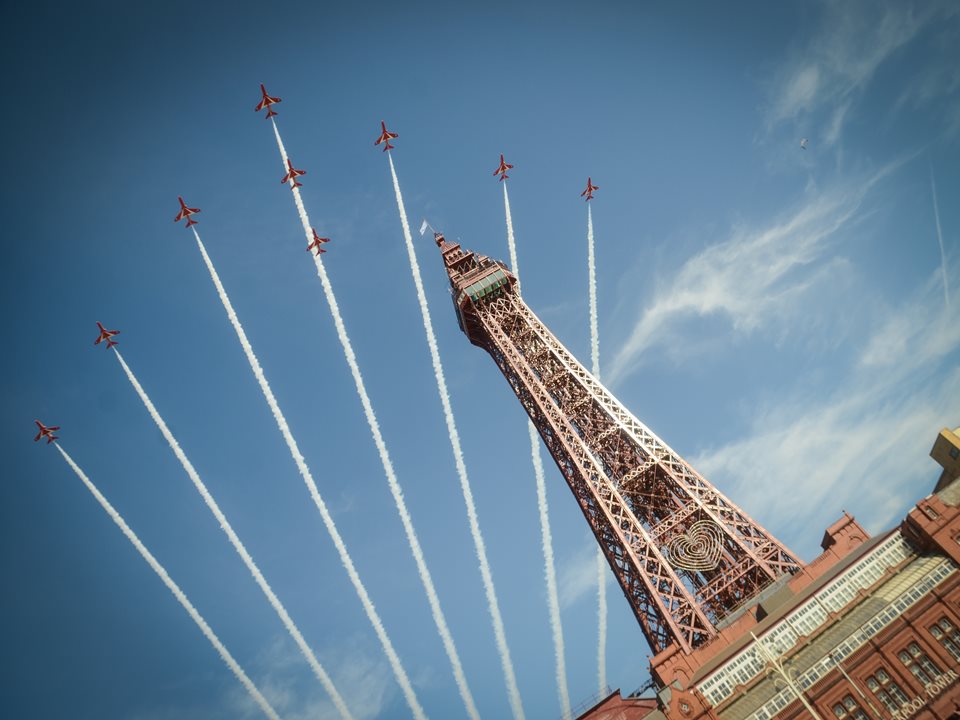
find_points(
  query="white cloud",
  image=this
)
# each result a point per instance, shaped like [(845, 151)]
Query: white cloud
[(864, 451), (578, 576), (358, 671), (837, 65), (832, 133), (800, 90), (752, 278), (916, 335), (930, 85), (863, 447)]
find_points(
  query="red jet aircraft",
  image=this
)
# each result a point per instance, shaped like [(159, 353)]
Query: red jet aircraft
[(106, 335), (502, 170), (316, 243), (293, 175), (186, 212), (46, 432), (266, 102), (386, 136), (589, 191)]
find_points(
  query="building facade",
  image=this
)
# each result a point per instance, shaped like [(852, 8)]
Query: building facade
[(869, 630)]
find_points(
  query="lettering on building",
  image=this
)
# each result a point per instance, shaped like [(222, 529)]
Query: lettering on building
[(933, 690)]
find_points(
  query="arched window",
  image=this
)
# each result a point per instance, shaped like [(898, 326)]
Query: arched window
[(886, 690), (848, 708), (947, 635), (919, 663)]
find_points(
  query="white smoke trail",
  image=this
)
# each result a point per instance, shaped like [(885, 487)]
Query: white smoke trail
[(485, 572), (392, 481), (174, 588), (368, 606), (943, 255), (237, 545), (601, 622), (592, 267), (601, 561), (511, 244), (553, 601)]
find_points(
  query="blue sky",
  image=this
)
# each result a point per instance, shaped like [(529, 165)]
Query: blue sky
[(784, 318)]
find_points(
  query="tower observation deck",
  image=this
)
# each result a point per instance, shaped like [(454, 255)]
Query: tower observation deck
[(685, 556)]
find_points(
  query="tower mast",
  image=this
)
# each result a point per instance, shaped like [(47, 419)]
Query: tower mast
[(685, 556)]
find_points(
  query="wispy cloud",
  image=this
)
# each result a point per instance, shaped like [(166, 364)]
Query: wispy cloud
[(943, 254), (578, 576), (832, 70), (358, 671), (863, 447), (916, 335), (930, 85), (756, 275)]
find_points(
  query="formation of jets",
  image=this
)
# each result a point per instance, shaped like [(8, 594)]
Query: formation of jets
[(385, 137), (590, 188), (317, 240), (186, 212), (46, 432), (292, 175), (266, 102), (502, 169), (106, 335)]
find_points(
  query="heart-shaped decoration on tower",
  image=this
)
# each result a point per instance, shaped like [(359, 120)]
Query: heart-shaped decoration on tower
[(698, 548)]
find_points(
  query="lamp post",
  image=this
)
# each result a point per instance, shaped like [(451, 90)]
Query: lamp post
[(854, 685), (775, 663)]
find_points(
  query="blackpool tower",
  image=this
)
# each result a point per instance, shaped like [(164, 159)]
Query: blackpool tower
[(686, 557)]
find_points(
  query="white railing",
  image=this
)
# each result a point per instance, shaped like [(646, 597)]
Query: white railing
[(806, 619)]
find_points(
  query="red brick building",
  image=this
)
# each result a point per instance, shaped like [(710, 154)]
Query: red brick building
[(869, 630)]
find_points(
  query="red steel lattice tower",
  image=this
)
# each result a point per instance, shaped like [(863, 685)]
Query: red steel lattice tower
[(685, 555)]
